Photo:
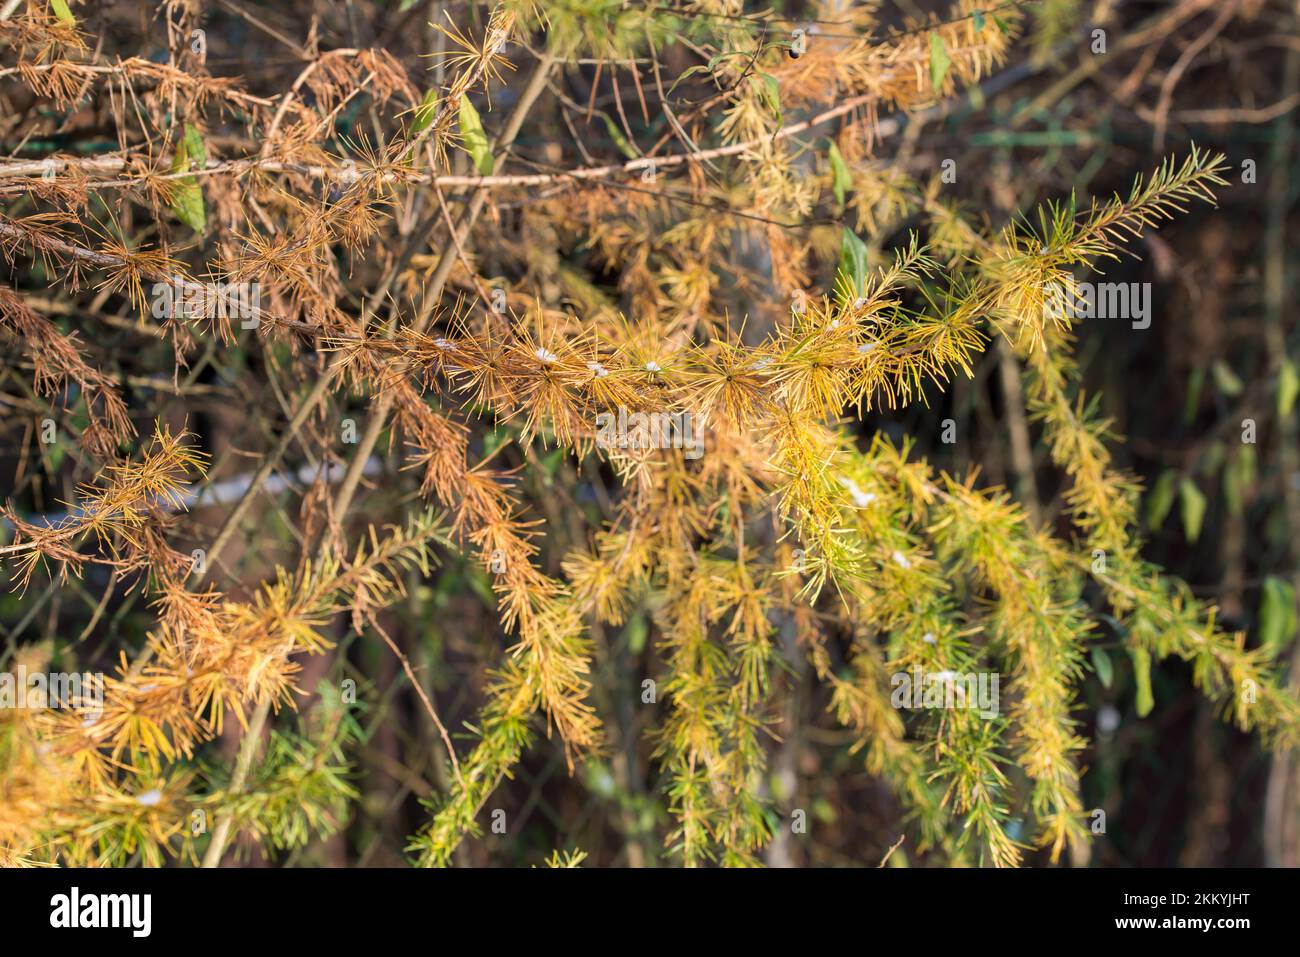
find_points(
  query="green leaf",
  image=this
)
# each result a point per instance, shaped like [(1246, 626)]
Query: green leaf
[(978, 17), (842, 179), (1192, 504), (194, 147), (1277, 614), (1101, 664), (478, 582), (599, 779), (771, 93), (939, 62), (1161, 498), (54, 457), (473, 139), (188, 205), (636, 631), (1002, 24), (851, 275), (1226, 379), (187, 197), (617, 136), (425, 113), (691, 71), (1288, 388), (60, 8), (1142, 675), (1238, 476), (550, 464), (725, 55), (824, 811)]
